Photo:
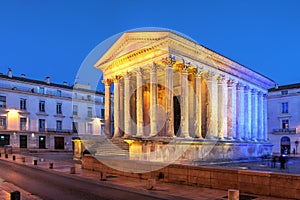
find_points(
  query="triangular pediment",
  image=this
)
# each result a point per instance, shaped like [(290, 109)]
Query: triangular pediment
[(130, 42)]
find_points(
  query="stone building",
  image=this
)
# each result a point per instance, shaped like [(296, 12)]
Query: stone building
[(44, 115), (284, 118), (175, 99)]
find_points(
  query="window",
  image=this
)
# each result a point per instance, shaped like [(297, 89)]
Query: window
[(58, 93), (42, 106), (75, 127), (285, 107), (2, 101), (90, 128), (58, 125), (41, 90), (22, 104), (2, 122), (284, 92), (90, 112), (102, 113), (89, 97), (23, 122), (285, 124), (59, 108), (75, 110), (42, 124)]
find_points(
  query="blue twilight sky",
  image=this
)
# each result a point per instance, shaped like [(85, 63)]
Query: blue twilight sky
[(53, 38)]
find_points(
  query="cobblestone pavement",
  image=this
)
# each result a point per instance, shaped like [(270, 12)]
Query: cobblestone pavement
[(63, 161)]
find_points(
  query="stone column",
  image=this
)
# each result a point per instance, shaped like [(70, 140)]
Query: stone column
[(265, 118), (248, 114), (139, 103), (169, 102), (222, 108), (184, 103), (231, 120), (116, 107), (212, 85), (260, 116), (240, 112), (254, 117), (198, 130), (107, 108), (121, 102), (153, 100), (127, 117)]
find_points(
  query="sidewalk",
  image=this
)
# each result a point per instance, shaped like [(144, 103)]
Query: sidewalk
[(131, 184)]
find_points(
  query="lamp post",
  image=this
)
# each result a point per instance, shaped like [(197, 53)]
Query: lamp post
[(296, 144)]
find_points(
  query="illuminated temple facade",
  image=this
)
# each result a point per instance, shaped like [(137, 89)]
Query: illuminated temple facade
[(174, 95)]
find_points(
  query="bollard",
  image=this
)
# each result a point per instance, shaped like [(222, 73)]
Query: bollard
[(151, 184), (51, 165), (6, 155), (23, 159), (16, 195), (233, 194), (0, 155), (14, 157), (72, 170), (35, 162), (102, 176)]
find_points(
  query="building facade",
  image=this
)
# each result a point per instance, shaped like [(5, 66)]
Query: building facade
[(170, 90), (43, 115), (284, 118)]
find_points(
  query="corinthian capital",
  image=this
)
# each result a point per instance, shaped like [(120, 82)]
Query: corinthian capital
[(169, 61), (107, 81)]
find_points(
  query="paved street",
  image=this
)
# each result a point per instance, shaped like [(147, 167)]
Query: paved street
[(40, 182)]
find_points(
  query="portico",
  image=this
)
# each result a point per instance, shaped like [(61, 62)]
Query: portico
[(173, 88)]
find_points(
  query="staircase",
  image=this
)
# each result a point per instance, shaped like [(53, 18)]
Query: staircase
[(112, 148)]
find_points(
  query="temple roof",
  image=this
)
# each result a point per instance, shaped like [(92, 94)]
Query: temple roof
[(138, 46)]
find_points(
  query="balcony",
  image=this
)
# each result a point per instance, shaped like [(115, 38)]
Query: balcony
[(54, 130), (285, 131), (2, 127)]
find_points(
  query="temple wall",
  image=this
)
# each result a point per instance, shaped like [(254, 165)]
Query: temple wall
[(253, 182)]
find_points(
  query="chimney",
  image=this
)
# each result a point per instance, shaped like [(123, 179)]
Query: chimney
[(65, 83), (9, 74), (23, 75), (47, 80)]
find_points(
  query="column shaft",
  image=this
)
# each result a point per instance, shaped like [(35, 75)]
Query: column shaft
[(139, 103), (248, 114), (198, 133), (169, 102), (107, 108), (240, 112), (265, 119), (213, 107), (260, 116), (184, 104), (116, 108), (231, 119), (153, 100), (254, 117), (127, 117)]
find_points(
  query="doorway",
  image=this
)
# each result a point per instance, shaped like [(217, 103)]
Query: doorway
[(285, 145), (23, 141), (177, 115), (42, 142), (59, 143), (4, 139)]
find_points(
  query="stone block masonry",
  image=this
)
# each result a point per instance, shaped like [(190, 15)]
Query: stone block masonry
[(254, 182)]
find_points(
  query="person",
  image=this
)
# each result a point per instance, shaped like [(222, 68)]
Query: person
[(282, 160), (274, 162)]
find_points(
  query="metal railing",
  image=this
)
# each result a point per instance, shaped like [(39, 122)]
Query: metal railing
[(285, 131)]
